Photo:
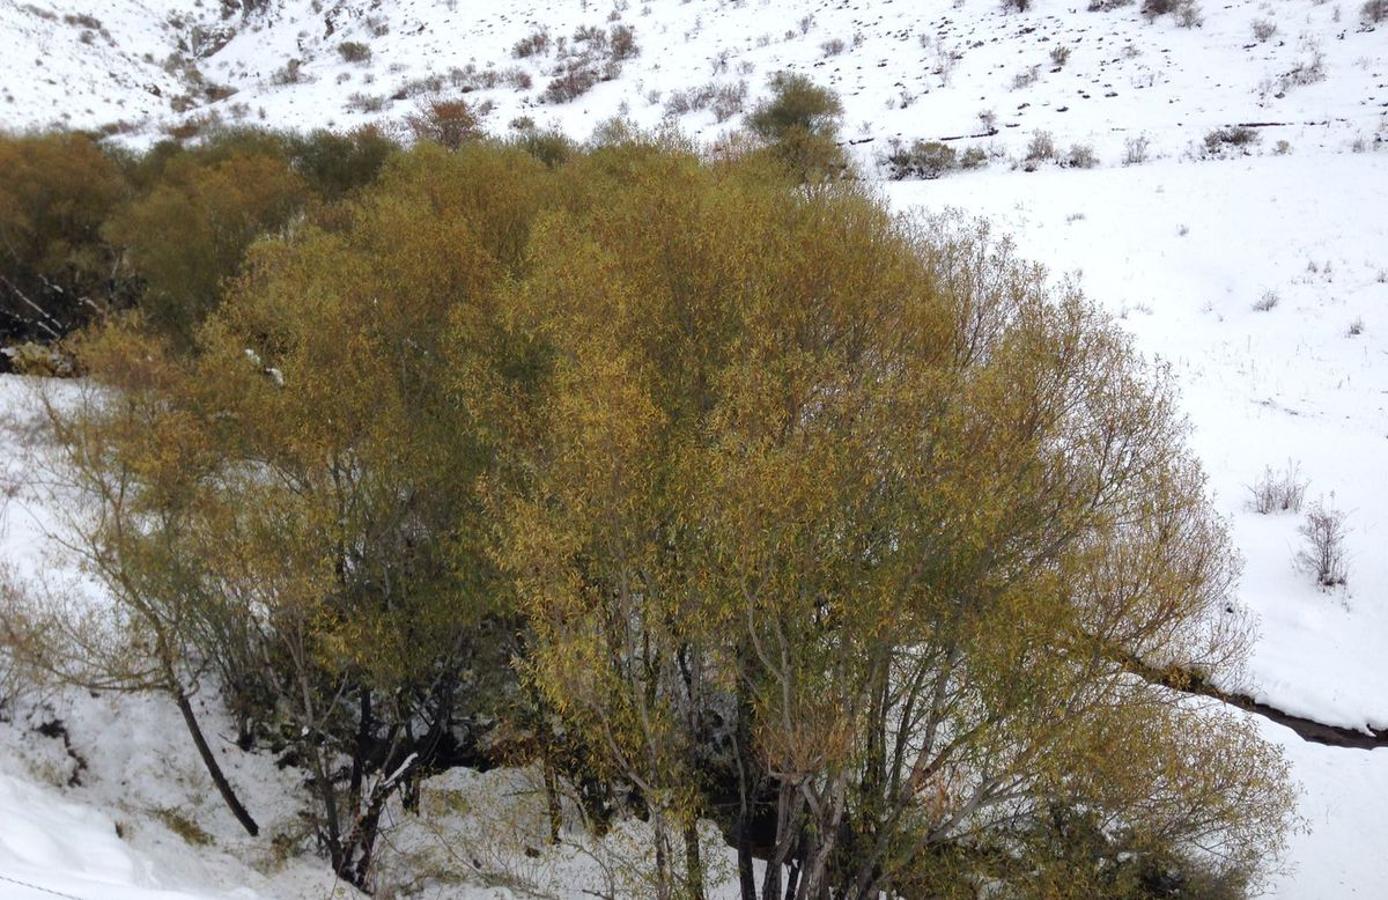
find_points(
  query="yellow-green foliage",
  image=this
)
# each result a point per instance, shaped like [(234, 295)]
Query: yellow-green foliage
[(55, 192), (800, 124), (335, 165), (786, 495), (191, 230), (870, 477)]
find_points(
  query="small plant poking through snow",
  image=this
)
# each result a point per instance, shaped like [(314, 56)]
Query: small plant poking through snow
[(1323, 556), (1277, 492), (1081, 156), (1238, 136), (1267, 302), (1040, 149), (1135, 150)]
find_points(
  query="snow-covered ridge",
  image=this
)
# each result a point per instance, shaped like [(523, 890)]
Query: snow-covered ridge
[(906, 70)]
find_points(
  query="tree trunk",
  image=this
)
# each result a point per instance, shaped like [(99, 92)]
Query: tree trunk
[(747, 786), (551, 793), (213, 768), (693, 861)]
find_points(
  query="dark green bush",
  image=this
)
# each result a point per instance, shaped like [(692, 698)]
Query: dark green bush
[(796, 104), (334, 164), (56, 270), (800, 124)]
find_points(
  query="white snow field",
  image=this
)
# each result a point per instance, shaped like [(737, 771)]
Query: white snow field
[(1180, 247)]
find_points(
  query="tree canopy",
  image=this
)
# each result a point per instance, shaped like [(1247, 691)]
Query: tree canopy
[(749, 500)]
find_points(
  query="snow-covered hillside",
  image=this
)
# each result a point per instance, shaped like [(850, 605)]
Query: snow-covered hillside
[(907, 70), (1261, 279)]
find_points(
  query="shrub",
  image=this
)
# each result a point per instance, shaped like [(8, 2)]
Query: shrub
[(84, 21), (57, 270), (1081, 156), (1323, 557), (1279, 491), (553, 148), (576, 79), (290, 73), (796, 104), (728, 100), (335, 165), (1238, 136), (799, 124), (833, 46), (649, 430), (190, 232), (354, 52), (1026, 78), (621, 43), (973, 158), (470, 78), (366, 103), (534, 44), (923, 159), (725, 99), (1374, 11), (1186, 12), (764, 367), (592, 35), (1264, 30), (1267, 302), (1060, 55), (448, 123), (1308, 70), (224, 544), (1040, 149), (1135, 150)]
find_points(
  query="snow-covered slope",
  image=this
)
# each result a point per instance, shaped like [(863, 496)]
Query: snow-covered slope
[(1183, 252), (904, 69), (1181, 247)]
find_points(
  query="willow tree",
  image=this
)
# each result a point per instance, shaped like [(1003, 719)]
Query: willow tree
[(850, 523), (286, 511)]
